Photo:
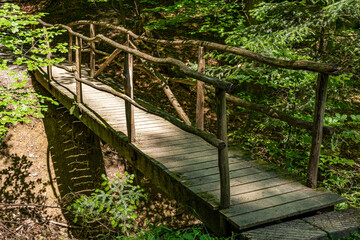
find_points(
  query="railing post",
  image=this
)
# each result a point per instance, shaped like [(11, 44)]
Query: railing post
[(78, 43), (33, 27), (223, 153), (317, 134), (48, 57), (70, 48), (92, 51), (200, 93), (129, 91)]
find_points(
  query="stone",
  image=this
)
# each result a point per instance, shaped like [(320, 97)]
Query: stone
[(338, 224), (296, 229)]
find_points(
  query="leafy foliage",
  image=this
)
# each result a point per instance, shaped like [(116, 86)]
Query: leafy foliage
[(17, 103), (113, 206), (30, 47), (194, 233), (215, 16)]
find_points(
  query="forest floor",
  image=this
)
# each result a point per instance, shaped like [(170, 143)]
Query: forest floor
[(26, 144)]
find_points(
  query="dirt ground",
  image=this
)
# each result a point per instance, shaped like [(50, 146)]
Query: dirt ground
[(29, 142)]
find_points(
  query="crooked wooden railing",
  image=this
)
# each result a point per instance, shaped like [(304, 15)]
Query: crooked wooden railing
[(221, 88)]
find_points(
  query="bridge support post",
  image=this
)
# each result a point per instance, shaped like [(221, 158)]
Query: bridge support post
[(200, 91), (70, 48), (92, 51), (78, 42), (33, 27), (48, 57), (129, 91), (317, 134), (223, 153)]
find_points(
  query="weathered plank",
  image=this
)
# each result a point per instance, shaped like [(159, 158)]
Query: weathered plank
[(282, 211), (255, 186), (272, 201), (210, 171), (175, 147), (187, 156), (249, 175), (160, 143), (195, 151)]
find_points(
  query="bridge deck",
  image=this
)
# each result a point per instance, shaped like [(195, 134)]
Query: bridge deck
[(257, 196)]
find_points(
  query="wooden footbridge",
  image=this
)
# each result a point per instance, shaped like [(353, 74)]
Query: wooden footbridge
[(228, 191)]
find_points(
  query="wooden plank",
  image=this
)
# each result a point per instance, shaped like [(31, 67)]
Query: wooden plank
[(196, 160), (283, 211), (164, 132), (111, 114), (110, 109), (162, 140), (256, 186), (213, 170), (108, 102), (175, 146), (191, 166), (317, 134), (214, 178), (265, 193), (167, 136), (186, 156), (273, 200), (95, 97), (145, 124), (180, 151), (141, 125), (167, 144), (249, 175)]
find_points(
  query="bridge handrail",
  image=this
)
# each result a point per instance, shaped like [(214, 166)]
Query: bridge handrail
[(210, 138), (162, 61), (330, 69), (221, 88)]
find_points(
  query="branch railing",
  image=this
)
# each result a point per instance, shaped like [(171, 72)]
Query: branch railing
[(221, 88), (220, 142)]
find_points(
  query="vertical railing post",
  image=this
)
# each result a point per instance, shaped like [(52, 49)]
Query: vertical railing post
[(70, 48), (33, 27), (78, 43), (48, 56), (92, 51), (223, 153), (317, 134), (129, 91), (200, 92)]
